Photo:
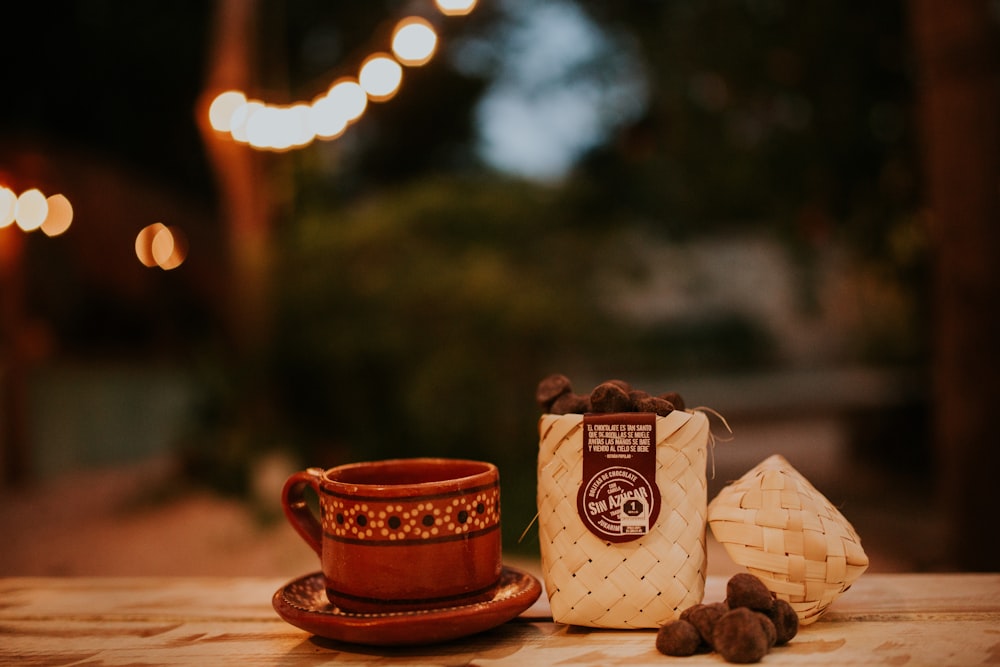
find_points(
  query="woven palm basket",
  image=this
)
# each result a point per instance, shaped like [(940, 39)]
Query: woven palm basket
[(637, 584), (774, 523)]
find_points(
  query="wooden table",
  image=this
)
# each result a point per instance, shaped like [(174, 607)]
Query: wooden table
[(885, 619)]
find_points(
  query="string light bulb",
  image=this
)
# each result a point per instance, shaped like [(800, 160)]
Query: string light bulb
[(30, 209), (223, 108), (160, 245), (60, 215), (380, 77), (455, 7), (8, 200), (266, 126), (414, 41)]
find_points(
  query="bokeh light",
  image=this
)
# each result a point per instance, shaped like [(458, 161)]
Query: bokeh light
[(455, 7), (279, 128), (220, 112), (241, 116), (343, 103), (380, 77), (326, 119), (60, 216), (30, 209), (144, 243), (349, 97), (169, 248), (8, 200), (162, 246), (414, 41), (283, 127)]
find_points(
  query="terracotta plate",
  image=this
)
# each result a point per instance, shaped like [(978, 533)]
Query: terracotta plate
[(303, 603)]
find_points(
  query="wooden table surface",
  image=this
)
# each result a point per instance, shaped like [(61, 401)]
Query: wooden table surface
[(885, 619)]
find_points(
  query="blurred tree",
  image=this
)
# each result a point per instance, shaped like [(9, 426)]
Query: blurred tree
[(244, 183), (767, 113)]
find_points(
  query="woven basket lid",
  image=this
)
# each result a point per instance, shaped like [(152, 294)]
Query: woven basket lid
[(774, 523)]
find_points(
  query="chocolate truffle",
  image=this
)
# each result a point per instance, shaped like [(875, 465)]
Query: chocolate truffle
[(570, 403), (675, 399), (786, 621), (610, 397), (746, 590), (551, 388), (703, 617), (677, 638), (768, 625), (660, 406), (740, 637)]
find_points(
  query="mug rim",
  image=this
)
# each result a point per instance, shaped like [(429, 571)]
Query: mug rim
[(484, 472)]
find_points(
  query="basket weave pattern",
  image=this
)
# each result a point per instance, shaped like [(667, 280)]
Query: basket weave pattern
[(774, 523), (637, 584)]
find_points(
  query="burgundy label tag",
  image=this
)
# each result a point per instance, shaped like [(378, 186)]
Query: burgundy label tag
[(618, 500)]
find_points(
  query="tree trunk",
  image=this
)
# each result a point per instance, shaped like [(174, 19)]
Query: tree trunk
[(244, 192), (957, 47)]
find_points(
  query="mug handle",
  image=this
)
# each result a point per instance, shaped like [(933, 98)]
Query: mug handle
[(293, 502)]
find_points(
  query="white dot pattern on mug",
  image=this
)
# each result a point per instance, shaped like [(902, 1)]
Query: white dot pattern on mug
[(411, 519)]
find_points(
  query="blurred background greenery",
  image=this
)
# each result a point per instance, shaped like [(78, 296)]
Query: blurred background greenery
[(659, 190)]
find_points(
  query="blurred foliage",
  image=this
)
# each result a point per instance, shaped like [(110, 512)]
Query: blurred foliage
[(436, 304), (769, 111), (417, 323), (796, 119)]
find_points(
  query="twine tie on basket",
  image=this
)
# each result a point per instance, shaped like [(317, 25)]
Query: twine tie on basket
[(712, 438)]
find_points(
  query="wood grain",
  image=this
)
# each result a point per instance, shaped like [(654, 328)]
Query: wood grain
[(884, 619)]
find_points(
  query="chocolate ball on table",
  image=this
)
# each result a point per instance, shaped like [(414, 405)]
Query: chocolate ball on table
[(786, 621), (739, 636), (678, 638), (703, 617), (768, 626), (745, 590)]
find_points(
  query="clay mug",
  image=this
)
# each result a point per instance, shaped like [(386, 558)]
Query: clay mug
[(402, 534)]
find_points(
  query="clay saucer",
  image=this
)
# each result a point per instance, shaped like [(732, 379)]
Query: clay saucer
[(303, 603)]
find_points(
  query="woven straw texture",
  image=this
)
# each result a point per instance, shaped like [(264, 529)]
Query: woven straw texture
[(774, 523), (637, 584)]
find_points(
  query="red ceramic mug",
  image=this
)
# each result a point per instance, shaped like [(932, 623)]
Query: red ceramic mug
[(402, 534)]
